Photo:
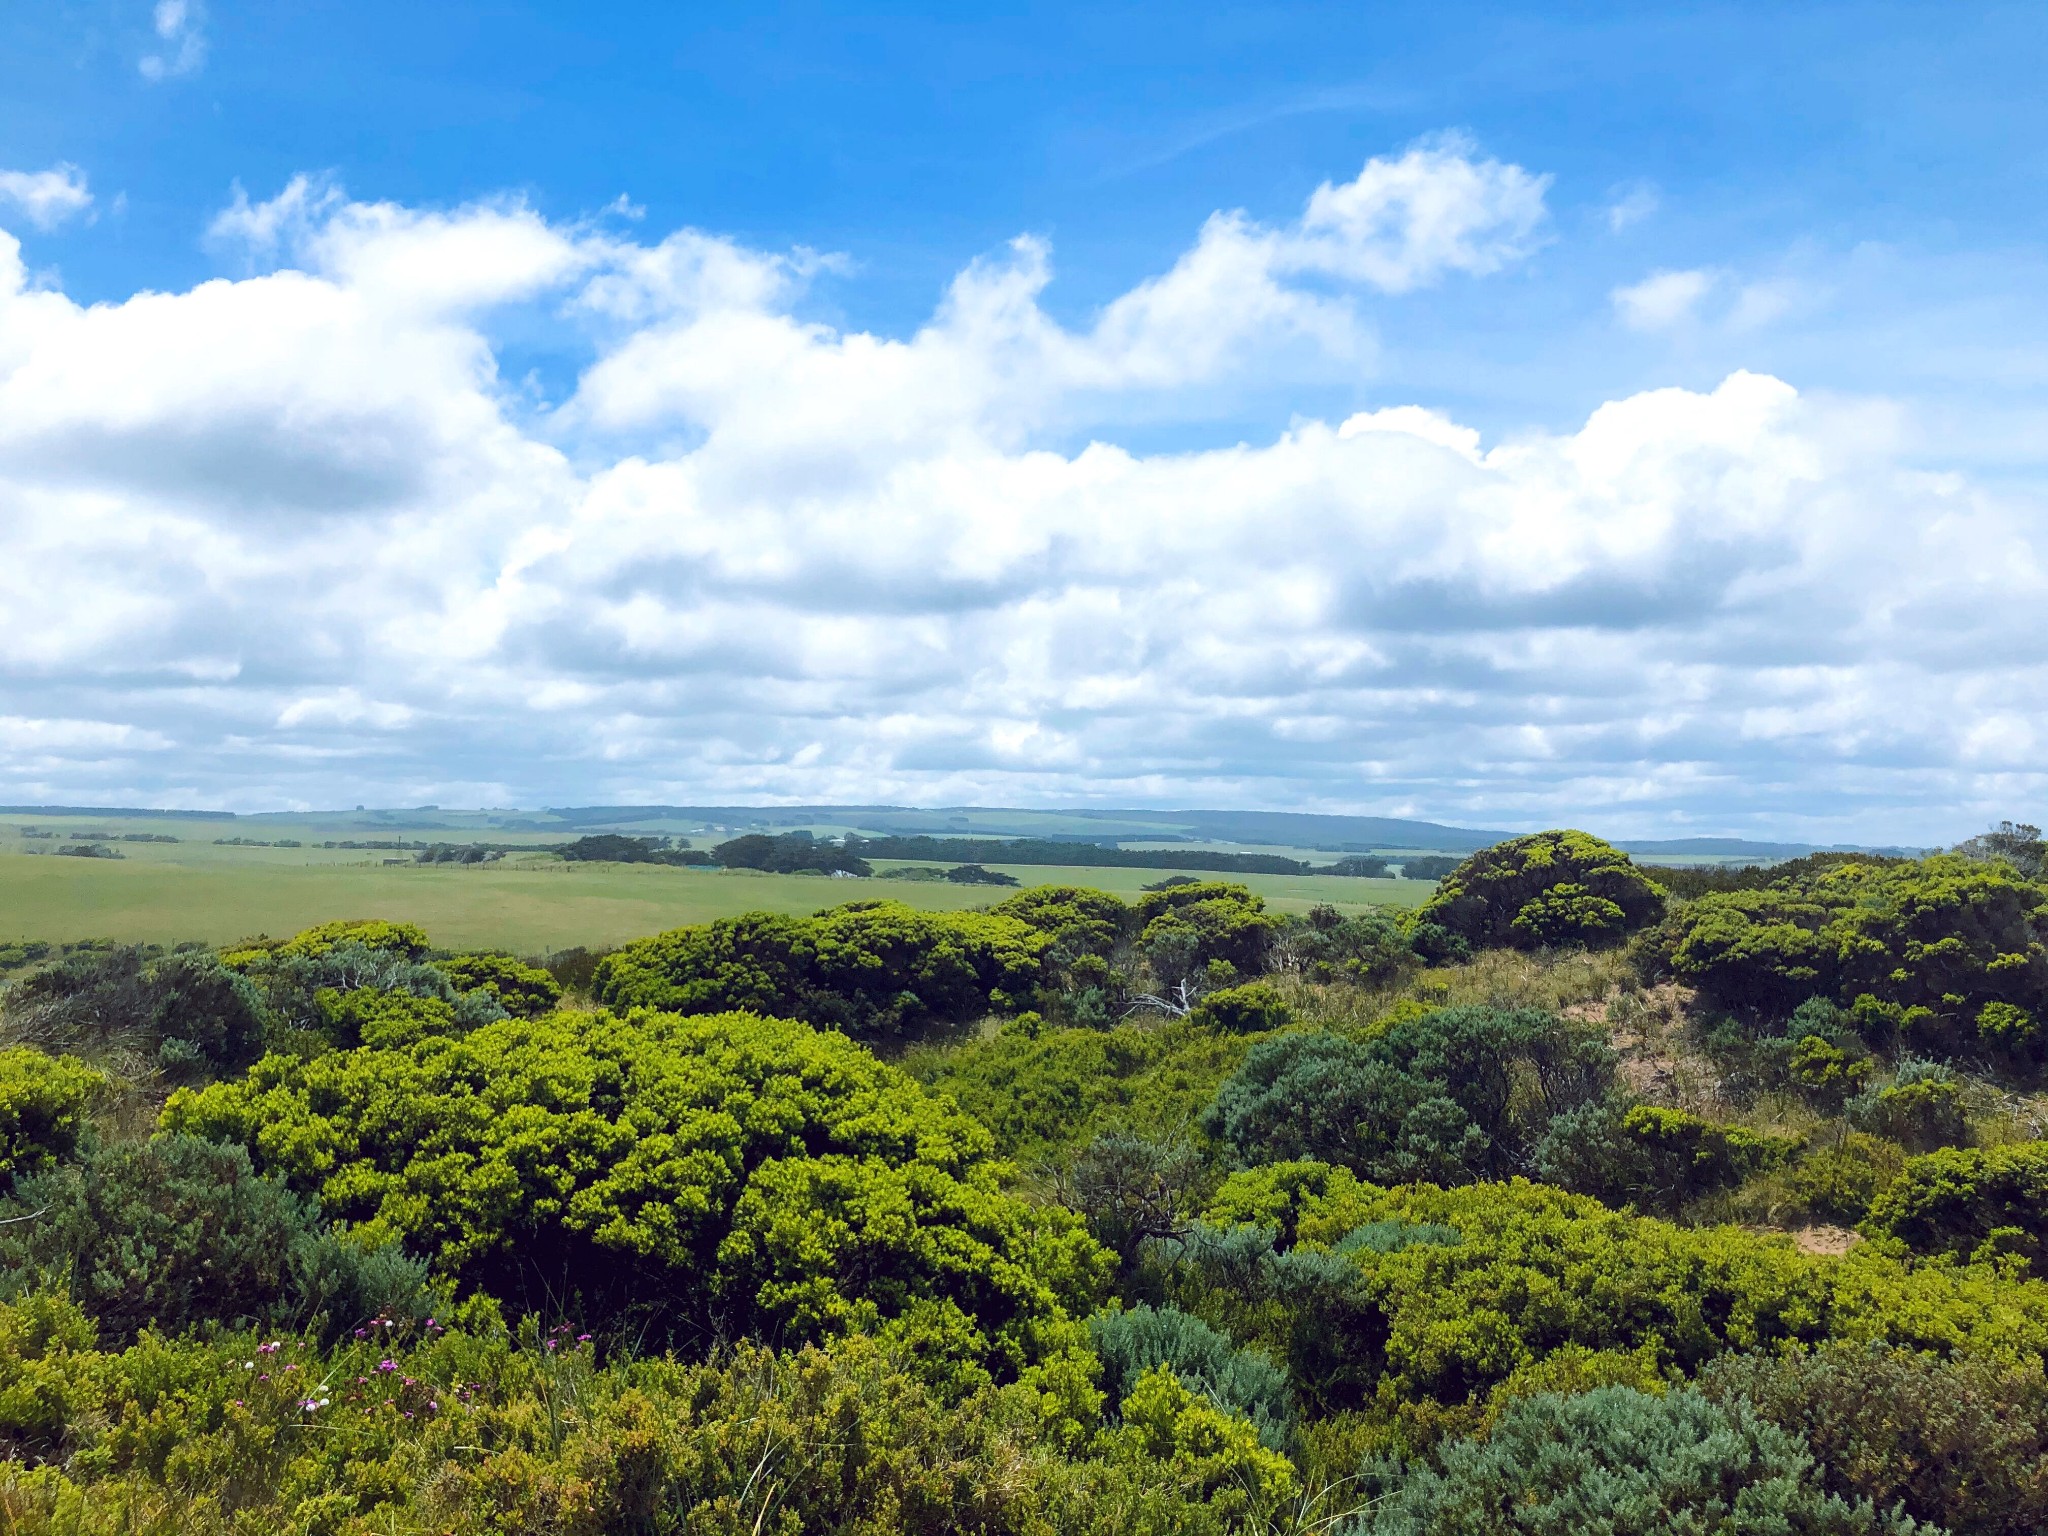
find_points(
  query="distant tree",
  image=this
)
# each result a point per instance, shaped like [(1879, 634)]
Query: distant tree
[(1428, 866), (1548, 889), (791, 853), (974, 874), (2017, 842), (877, 969), (1359, 868)]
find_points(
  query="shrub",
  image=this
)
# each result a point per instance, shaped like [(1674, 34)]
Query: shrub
[(402, 939), (1433, 1097), (1944, 954), (1078, 921), (1190, 929), (1970, 1201), (1959, 1444), (877, 970), (1210, 1455), (1534, 1270), (1623, 1463), (523, 991), (1133, 1342), (1922, 1110), (1046, 1093), (179, 1010), (1837, 1182), (1658, 1159), (1131, 1191), (1252, 1009), (43, 1102), (1367, 948), (728, 1174), (179, 1231), (476, 1434), (1549, 889)]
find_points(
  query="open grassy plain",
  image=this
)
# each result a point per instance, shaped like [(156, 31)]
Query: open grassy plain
[(530, 903)]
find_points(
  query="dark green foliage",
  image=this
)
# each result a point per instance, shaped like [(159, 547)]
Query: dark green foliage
[(726, 1175), (1656, 1159), (1970, 1201), (1078, 922), (523, 991), (1186, 930), (1042, 851), (1922, 1110), (790, 854), (1541, 891), (1368, 948), (1959, 1444), (43, 1102), (177, 1232), (345, 993), (616, 848), (1619, 1462), (2016, 843), (1428, 866), (1131, 1342), (1453, 1095), (1358, 868), (878, 970), (184, 1011), (1131, 1190), (1942, 955), (974, 874), (1251, 1009)]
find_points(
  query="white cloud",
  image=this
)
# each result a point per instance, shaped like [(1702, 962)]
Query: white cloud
[(1664, 300), (180, 27), (46, 198), (291, 540), (1632, 204)]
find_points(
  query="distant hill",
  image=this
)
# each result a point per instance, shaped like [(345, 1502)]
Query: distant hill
[(1109, 826)]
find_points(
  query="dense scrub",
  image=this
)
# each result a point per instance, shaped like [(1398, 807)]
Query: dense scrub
[(1072, 1215)]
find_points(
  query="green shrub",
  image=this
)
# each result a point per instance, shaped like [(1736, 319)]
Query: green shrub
[(1209, 1455), (877, 970), (523, 991), (178, 1231), (1252, 1009), (1534, 1270), (1837, 1181), (1208, 927), (1959, 1444), (476, 1434), (1658, 1159), (1367, 948), (1044, 1095), (1975, 1202), (1922, 1110), (1622, 1462), (730, 1174), (1131, 1342), (403, 939), (1943, 954), (184, 1011), (1439, 1097), (43, 1103), (1542, 891)]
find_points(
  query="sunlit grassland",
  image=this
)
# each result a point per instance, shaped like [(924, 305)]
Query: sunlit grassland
[(192, 889)]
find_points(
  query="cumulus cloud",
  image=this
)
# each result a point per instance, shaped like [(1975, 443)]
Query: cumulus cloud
[(180, 27), (46, 198), (1664, 299), (289, 538)]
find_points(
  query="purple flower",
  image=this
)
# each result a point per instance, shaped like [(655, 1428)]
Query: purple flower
[(387, 1365)]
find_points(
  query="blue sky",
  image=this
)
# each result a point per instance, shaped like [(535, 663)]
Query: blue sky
[(1828, 629)]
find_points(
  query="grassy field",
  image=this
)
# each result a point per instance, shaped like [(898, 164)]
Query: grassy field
[(193, 889)]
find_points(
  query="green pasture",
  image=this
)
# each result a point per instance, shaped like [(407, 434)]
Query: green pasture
[(193, 889)]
